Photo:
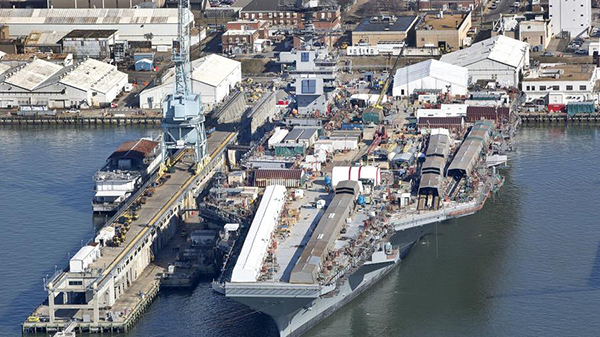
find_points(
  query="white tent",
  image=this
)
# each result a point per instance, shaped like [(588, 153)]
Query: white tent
[(356, 173), (498, 58), (430, 74)]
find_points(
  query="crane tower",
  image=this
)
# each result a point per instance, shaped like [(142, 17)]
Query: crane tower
[(183, 114)]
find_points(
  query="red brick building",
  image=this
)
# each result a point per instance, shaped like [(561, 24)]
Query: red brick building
[(287, 16), (245, 36)]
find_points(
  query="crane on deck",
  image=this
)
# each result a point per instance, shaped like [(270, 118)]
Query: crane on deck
[(377, 108)]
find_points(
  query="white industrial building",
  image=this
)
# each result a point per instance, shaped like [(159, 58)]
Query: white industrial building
[(560, 84), (431, 74), (499, 59), (213, 77), (259, 237), (90, 83), (572, 16), (140, 24)]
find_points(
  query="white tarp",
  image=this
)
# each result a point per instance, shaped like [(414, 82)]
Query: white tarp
[(277, 137), (258, 240), (356, 173)]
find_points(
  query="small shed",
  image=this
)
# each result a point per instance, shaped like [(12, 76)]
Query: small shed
[(143, 61)]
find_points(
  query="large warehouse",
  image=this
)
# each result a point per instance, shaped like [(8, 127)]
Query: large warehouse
[(142, 24), (500, 59), (90, 83), (431, 74), (213, 77)]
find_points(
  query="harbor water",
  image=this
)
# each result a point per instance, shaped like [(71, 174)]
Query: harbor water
[(528, 264)]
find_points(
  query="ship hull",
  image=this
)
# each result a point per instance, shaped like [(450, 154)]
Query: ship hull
[(296, 315)]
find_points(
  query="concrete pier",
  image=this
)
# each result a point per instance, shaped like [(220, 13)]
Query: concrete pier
[(559, 118), (80, 120), (114, 290)]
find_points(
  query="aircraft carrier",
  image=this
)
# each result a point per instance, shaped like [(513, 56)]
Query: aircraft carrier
[(310, 251)]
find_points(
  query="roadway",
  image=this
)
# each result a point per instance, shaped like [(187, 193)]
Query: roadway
[(502, 7)]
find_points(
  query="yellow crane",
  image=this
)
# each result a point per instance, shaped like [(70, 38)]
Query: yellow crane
[(388, 80)]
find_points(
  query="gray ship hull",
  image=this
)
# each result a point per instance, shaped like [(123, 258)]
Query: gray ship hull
[(295, 313)]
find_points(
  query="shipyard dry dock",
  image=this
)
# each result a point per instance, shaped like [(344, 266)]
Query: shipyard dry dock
[(107, 287)]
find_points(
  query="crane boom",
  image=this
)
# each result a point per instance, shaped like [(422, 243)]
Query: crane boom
[(386, 85)]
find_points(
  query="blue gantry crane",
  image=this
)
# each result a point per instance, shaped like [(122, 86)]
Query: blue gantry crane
[(183, 114)]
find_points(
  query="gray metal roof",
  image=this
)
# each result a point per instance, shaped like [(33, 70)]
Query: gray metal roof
[(402, 23), (325, 234), (439, 145), (294, 135), (307, 133), (430, 181), (469, 151)]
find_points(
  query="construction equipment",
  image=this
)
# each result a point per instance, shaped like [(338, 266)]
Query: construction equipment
[(388, 80)]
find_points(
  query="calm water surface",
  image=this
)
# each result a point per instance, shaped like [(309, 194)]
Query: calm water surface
[(527, 265)]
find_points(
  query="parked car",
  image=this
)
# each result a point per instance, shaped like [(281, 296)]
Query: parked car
[(548, 54), (493, 6), (581, 52), (73, 111)]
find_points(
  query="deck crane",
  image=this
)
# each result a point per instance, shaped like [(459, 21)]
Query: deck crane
[(183, 114), (388, 80), (377, 108)]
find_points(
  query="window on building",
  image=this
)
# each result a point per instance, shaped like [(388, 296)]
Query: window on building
[(230, 40), (542, 87), (527, 88), (280, 14), (569, 87), (533, 88), (246, 15), (422, 39), (287, 15), (260, 15), (243, 39), (75, 283), (582, 87), (304, 57), (555, 87), (309, 86), (270, 15), (295, 15)]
